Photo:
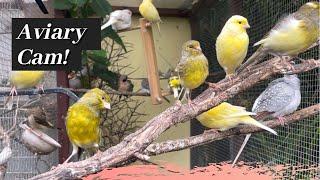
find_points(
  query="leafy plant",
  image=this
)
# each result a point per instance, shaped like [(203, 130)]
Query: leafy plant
[(95, 61)]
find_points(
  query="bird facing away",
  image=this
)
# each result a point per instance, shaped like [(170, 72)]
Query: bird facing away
[(193, 66), (291, 36), (119, 19), (83, 119), (124, 85), (232, 44), (150, 12), (281, 97), (226, 116)]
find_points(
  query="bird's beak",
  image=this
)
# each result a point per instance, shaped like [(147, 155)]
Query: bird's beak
[(247, 26), (199, 48), (106, 105)]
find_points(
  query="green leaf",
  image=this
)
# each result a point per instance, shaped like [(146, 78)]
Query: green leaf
[(62, 4), (109, 32), (111, 78), (84, 57), (87, 11), (78, 3), (98, 56), (101, 7)]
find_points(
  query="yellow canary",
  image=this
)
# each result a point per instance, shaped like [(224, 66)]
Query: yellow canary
[(150, 12), (290, 36), (175, 85), (25, 79), (232, 44), (83, 119), (192, 67), (226, 116)]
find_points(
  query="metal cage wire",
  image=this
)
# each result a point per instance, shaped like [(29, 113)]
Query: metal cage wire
[(23, 164), (297, 144)]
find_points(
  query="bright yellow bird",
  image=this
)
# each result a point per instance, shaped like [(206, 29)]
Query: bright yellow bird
[(83, 119), (290, 36), (232, 44), (192, 67), (150, 12), (25, 79), (226, 116), (175, 85)]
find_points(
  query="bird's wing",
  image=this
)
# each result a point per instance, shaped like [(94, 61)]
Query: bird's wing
[(274, 98)]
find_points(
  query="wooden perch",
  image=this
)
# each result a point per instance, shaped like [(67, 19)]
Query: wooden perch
[(138, 141), (210, 136), (151, 60)]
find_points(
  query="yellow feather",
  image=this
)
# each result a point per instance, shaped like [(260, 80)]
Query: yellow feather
[(150, 12), (232, 44), (25, 79), (83, 119), (226, 116)]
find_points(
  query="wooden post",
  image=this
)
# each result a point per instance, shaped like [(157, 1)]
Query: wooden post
[(152, 68), (62, 107)]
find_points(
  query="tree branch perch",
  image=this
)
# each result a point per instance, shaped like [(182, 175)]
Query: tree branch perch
[(138, 141), (210, 136)]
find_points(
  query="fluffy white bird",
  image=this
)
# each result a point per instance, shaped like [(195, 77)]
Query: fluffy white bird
[(119, 19)]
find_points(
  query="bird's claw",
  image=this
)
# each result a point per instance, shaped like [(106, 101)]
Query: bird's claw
[(281, 120), (13, 91), (40, 88)]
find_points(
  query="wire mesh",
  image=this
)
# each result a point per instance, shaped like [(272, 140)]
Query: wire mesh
[(298, 143), (23, 164)]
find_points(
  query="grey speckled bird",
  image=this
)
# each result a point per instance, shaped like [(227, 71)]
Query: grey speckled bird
[(282, 97)]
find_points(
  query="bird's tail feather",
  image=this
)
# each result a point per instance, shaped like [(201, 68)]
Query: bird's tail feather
[(158, 25), (109, 23), (245, 141), (255, 58), (252, 121)]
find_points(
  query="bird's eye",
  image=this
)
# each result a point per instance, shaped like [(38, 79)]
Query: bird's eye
[(240, 22), (103, 98)]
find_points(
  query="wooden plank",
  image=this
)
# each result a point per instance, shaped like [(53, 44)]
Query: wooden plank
[(150, 55)]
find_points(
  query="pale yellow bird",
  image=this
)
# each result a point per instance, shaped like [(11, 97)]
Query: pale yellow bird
[(193, 67), (150, 12), (232, 44), (226, 116), (291, 36), (83, 119), (25, 79)]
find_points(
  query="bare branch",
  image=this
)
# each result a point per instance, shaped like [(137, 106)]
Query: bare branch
[(142, 138), (210, 136)]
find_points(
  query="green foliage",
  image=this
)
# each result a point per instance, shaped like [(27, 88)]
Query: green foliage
[(95, 60)]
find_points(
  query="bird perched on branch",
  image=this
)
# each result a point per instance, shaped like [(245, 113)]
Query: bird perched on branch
[(291, 36), (22, 80), (42, 6), (226, 116), (83, 119), (192, 67), (25, 79), (150, 12), (124, 85), (175, 85), (232, 44), (282, 97), (119, 19)]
